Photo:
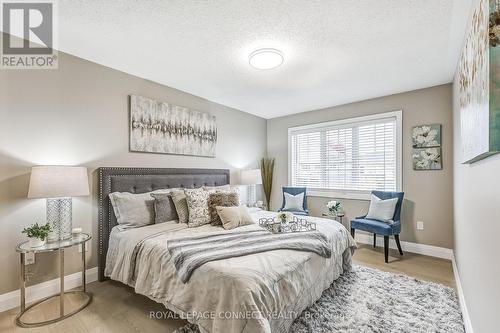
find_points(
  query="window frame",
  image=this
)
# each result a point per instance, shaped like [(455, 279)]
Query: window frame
[(353, 194)]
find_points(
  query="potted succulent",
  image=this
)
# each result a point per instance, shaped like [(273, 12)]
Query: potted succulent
[(37, 234), (333, 207)]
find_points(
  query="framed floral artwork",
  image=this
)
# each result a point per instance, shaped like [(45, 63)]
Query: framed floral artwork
[(427, 158), (425, 136)]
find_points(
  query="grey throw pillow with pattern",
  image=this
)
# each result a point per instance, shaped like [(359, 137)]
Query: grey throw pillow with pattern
[(197, 202), (180, 203), (221, 199)]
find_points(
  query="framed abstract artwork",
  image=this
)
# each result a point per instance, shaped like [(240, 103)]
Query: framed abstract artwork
[(161, 127), (479, 83)]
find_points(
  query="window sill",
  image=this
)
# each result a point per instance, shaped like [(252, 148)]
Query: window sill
[(339, 194)]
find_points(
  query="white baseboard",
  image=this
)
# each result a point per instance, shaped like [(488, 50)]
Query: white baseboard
[(36, 292), (461, 298), (428, 250)]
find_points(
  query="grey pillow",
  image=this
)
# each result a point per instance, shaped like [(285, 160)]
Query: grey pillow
[(180, 203), (221, 199), (197, 202), (381, 210), (164, 208), (132, 210)]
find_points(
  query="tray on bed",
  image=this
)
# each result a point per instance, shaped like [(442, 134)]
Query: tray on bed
[(275, 226)]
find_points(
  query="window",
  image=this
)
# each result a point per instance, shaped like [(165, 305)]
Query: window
[(347, 158)]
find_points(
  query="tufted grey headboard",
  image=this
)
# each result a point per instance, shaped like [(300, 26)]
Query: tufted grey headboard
[(141, 180)]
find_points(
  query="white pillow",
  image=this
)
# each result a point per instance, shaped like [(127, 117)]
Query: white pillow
[(294, 202), (382, 210)]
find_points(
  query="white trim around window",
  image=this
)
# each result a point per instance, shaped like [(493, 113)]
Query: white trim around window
[(346, 193)]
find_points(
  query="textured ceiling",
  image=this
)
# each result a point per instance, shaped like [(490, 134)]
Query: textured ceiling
[(335, 51)]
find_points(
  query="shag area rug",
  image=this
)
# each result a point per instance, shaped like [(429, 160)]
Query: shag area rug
[(369, 300)]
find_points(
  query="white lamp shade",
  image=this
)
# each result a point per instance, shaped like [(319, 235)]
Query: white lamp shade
[(58, 182), (250, 177)]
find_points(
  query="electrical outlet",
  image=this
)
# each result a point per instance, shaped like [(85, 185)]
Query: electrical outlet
[(30, 258), (420, 225), (86, 247)]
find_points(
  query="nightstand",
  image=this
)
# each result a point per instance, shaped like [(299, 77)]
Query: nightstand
[(56, 246), (338, 217)]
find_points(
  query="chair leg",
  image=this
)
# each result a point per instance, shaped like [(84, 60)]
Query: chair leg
[(386, 248), (398, 244), (353, 231), (374, 240)]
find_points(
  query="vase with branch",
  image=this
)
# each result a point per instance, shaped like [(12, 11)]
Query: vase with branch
[(267, 172)]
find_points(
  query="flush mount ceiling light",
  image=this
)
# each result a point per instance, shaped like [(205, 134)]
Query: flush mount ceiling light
[(265, 59)]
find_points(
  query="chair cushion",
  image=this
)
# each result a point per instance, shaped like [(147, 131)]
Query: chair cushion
[(376, 227)]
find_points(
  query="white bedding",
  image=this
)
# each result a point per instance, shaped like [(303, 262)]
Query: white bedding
[(261, 292)]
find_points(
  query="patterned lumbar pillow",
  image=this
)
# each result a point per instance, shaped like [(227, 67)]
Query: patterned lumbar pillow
[(382, 210), (181, 207), (234, 217), (294, 202), (222, 199), (197, 202), (164, 208)]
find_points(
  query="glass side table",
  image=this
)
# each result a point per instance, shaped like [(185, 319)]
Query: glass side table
[(337, 217), (58, 246)]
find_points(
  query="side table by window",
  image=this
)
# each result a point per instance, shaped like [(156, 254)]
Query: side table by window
[(338, 217), (56, 246)]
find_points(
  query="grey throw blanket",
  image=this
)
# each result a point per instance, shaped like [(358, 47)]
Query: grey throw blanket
[(191, 252)]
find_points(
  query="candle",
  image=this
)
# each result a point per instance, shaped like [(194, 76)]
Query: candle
[(76, 231)]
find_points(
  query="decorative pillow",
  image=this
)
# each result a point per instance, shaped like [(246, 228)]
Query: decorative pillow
[(164, 208), (132, 210), (217, 188), (223, 199), (294, 202), (197, 202), (181, 207), (234, 217), (382, 210)]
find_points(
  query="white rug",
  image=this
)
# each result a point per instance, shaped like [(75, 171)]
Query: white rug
[(369, 300)]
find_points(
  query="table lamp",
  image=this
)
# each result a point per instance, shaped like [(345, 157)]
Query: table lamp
[(251, 178), (58, 184)]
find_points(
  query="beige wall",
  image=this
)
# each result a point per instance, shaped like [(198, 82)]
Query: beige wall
[(428, 193), (78, 115), (476, 231)]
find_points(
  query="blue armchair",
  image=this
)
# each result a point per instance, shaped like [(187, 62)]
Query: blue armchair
[(295, 191), (382, 228)]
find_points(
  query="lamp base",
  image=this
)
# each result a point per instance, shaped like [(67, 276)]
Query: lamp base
[(59, 217)]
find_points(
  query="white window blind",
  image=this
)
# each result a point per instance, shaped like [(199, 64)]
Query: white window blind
[(356, 155)]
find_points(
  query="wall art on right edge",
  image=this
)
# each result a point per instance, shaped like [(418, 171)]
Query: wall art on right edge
[(479, 84)]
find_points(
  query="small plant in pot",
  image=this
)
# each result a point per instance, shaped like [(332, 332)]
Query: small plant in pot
[(37, 234)]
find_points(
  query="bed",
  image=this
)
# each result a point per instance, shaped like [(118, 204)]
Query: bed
[(262, 292)]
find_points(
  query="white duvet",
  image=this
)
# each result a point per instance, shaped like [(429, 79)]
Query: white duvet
[(261, 292)]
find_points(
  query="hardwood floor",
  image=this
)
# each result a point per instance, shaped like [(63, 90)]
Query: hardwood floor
[(115, 307)]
